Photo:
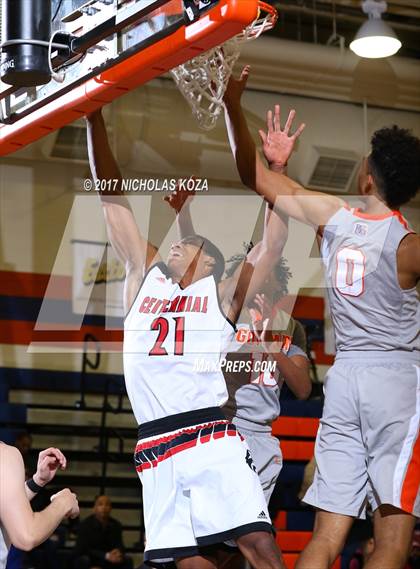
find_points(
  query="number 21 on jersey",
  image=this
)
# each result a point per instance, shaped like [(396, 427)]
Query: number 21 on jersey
[(350, 272), (161, 325)]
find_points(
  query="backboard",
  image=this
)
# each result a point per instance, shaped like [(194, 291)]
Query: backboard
[(116, 45)]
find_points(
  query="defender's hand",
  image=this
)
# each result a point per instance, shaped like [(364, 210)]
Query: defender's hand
[(278, 144), (49, 461)]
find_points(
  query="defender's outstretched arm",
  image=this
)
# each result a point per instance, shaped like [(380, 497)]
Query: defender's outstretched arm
[(287, 196)]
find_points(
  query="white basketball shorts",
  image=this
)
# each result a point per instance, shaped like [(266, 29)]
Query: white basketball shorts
[(200, 487)]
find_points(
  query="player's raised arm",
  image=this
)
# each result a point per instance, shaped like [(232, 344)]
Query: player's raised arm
[(248, 278), (123, 233), (180, 201), (289, 197)]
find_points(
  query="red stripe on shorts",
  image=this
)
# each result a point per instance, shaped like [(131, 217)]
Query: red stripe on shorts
[(164, 440), (184, 446), (411, 484)]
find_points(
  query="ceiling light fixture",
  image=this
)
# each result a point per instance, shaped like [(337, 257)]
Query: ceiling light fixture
[(375, 39)]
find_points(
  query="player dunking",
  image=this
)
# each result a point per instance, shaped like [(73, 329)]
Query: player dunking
[(368, 444), (199, 489)]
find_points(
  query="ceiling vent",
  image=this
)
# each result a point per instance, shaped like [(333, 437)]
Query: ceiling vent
[(331, 170), (70, 144)]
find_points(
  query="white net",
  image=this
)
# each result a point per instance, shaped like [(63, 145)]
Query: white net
[(203, 80)]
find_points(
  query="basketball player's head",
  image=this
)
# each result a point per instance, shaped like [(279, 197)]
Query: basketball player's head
[(197, 255), (392, 169), (275, 285)]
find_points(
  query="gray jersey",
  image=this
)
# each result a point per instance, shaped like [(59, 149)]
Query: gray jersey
[(254, 395), (369, 309)]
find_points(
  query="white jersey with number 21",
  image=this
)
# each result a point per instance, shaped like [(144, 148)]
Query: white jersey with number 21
[(171, 332)]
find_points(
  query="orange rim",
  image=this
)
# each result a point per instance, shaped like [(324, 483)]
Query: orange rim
[(271, 11)]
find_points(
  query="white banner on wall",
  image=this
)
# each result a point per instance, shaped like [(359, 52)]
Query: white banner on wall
[(98, 279)]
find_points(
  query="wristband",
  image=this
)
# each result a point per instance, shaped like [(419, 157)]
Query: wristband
[(33, 486)]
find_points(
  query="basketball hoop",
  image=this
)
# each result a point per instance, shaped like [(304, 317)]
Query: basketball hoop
[(204, 79)]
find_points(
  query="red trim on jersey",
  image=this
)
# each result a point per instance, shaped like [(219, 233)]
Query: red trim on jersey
[(402, 220), (363, 215), (411, 484), (395, 213)]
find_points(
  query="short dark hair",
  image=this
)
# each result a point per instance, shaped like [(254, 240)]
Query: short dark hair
[(395, 164), (281, 269), (212, 251)]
